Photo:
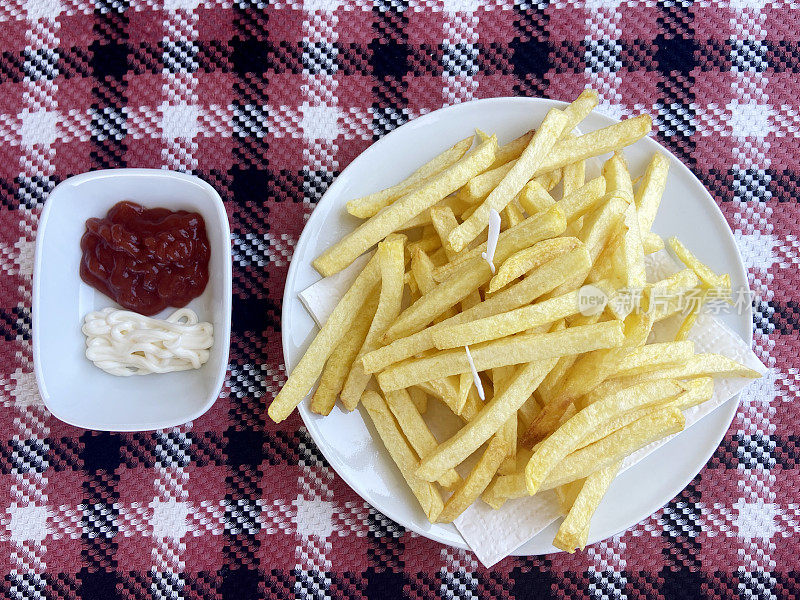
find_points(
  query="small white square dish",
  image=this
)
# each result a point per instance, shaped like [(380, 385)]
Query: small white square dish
[(74, 389)]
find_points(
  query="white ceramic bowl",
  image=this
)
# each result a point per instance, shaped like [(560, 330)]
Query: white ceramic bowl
[(72, 388), (349, 444)]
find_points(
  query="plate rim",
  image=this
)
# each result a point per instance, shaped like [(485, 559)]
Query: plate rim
[(730, 406)]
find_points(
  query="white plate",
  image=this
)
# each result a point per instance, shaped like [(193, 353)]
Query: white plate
[(347, 443), (74, 389)]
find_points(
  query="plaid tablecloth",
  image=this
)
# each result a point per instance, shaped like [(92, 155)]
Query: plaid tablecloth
[(268, 101)]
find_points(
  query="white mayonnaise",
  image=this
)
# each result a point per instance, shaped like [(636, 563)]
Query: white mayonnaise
[(122, 342)]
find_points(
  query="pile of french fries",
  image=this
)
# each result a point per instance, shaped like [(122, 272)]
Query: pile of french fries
[(549, 397)]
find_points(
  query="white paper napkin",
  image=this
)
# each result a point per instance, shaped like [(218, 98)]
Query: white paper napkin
[(494, 534)]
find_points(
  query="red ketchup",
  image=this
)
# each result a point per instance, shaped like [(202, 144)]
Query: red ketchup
[(146, 259)]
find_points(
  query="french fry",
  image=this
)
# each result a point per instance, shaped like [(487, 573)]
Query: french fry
[(599, 226), (341, 360), (403, 456), (567, 151), (444, 221), (583, 462), (392, 267), (654, 356), (574, 529), (532, 230), (549, 180), (507, 323), (531, 258), (567, 437), (480, 476), (307, 371), (512, 214), (703, 271), (534, 198), (480, 186), (580, 108), (513, 350), (512, 150), (537, 283), (651, 189), (574, 177), (687, 324), (697, 391), (422, 269), (416, 431), (341, 254), (700, 365), (486, 423), (652, 242), (472, 274), (419, 398), (628, 255), (616, 446), (513, 182), (583, 200), (370, 205)]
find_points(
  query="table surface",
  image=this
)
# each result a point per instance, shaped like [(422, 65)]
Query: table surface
[(268, 102)]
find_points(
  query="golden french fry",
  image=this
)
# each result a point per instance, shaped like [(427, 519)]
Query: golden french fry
[(567, 494), (422, 268), (512, 215), (370, 205), (531, 258), (697, 391), (700, 365), (402, 455), (599, 225), (527, 413), (512, 150), (549, 180), (651, 188), (428, 244), (581, 463), (341, 360), (486, 423), (444, 221), (580, 108), (341, 254), (608, 139), (616, 446), (480, 476), (574, 529), (687, 324), (532, 230), (507, 323), (513, 350), (703, 271), (480, 186), (652, 242), (566, 438), (585, 199), (534, 198), (513, 182), (416, 431), (660, 299), (307, 371), (391, 260), (472, 274), (534, 285), (628, 255), (654, 356), (419, 398), (574, 177)]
